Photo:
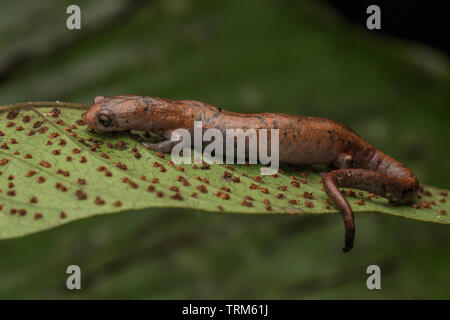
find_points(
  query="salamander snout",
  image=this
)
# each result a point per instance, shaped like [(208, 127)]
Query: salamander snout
[(103, 118), (90, 117)]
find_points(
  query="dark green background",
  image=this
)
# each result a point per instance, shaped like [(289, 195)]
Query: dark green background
[(295, 57)]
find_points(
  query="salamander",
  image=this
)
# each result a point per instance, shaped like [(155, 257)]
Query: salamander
[(354, 163)]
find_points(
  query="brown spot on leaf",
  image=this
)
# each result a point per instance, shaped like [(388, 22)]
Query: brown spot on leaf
[(99, 201), (45, 164), (55, 113), (308, 195), (117, 203), (257, 178), (176, 196), (236, 179), (295, 184), (309, 204), (4, 161), (61, 187), (81, 195), (133, 185), (26, 119), (43, 130), (12, 114), (204, 180), (264, 190), (11, 193), (227, 175), (246, 203), (37, 124), (202, 188), (121, 166), (63, 172), (222, 195), (41, 179)]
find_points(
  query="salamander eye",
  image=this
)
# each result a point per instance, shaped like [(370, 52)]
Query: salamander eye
[(104, 119)]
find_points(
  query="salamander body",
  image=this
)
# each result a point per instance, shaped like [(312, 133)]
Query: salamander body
[(302, 141)]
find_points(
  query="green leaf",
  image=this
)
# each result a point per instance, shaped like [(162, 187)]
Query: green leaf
[(54, 171)]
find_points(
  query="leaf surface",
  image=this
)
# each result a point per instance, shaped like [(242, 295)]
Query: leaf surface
[(54, 171)]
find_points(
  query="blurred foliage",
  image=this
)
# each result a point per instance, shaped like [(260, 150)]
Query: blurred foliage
[(285, 56)]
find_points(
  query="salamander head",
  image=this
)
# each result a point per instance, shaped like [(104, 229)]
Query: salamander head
[(119, 113)]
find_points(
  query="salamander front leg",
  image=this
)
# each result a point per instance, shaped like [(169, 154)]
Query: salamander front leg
[(165, 146)]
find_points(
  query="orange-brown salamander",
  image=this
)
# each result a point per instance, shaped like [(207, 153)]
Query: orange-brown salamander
[(302, 140)]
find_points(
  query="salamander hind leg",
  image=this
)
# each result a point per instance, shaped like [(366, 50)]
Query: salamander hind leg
[(331, 183), (394, 188)]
